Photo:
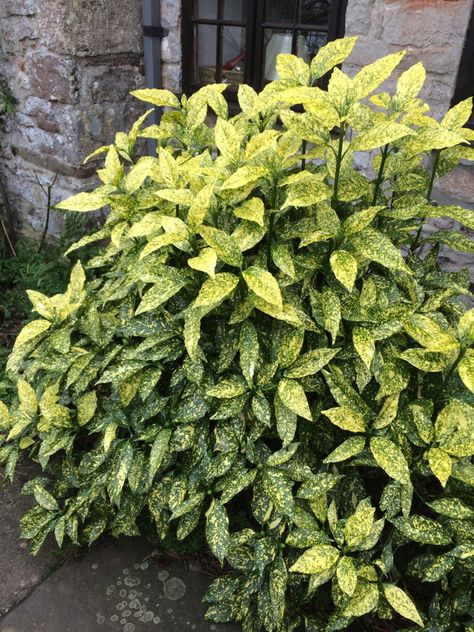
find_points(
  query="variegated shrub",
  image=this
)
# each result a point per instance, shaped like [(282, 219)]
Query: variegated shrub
[(269, 352)]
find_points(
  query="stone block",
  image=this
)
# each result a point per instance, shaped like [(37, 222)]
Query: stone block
[(51, 76), (459, 183), (171, 47), (358, 16), (16, 31), (18, 7), (170, 13), (105, 84), (171, 77)]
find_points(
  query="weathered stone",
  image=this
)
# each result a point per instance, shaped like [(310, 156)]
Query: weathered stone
[(358, 14), (171, 76), (170, 13), (459, 183), (51, 76), (171, 47), (19, 7)]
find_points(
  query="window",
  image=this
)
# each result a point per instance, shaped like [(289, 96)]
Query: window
[(236, 41), (465, 79)]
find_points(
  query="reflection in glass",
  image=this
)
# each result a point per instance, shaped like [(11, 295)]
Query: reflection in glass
[(206, 9), (308, 44), (314, 11), (234, 10), (205, 44), (275, 42), (280, 11), (233, 54)]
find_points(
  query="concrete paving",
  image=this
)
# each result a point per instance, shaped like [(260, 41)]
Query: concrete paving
[(20, 573), (117, 586)]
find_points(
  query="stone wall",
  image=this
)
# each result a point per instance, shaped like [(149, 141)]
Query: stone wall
[(71, 65)]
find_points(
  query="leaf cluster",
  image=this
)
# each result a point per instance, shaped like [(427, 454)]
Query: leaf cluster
[(266, 355)]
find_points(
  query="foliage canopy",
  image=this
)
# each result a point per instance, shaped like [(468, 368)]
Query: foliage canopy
[(267, 354)]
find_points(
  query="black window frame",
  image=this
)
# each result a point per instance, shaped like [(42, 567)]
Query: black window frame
[(254, 25), (465, 77)]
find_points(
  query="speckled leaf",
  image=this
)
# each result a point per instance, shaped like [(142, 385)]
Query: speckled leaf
[(157, 453), (346, 575), (364, 344), (86, 407), (109, 435), (359, 525), (402, 603), (293, 397), (264, 285), (373, 75), (344, 267), (345, 418), (317, 559), (440, 464), (283, 259), (243, 177), (200, 206), (262, 409), (84, 202), (466, 369), (223, 244), (360, 220), (45, 499), (249, 351), (158, 97), (452, 507), (423, 530), (454, 240), (330, 55), (30, 331), (293, 69), (311, 362), (377, 247), (348, 449), (388, 412), (331, 312), (192, 333), (161, 291), (286, 421), (217, 530), (252, 210), (390, 458), (365, 599), (214, 290), (306, 193), (380, 134), (228, 387), (410, 83), (123, 461), (428, 333), (59, 530), (27, 397), (466, 326), (278, 578), (237, 483), (279, 489), (204, 262)]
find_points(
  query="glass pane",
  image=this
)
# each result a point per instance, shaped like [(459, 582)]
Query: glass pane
[(234, 10), (275, 42), (308, 43), (315, 11), (233, 54), (205, 9), (205, 46), (280, 11)]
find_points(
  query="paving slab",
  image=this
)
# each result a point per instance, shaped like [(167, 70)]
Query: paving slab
[(117, 586), (20, 572)]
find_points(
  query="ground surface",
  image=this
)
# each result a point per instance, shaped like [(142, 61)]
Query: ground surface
[(115, 586)]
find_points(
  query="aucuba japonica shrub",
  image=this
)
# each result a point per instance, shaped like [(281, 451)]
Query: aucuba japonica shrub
[(269, 353)]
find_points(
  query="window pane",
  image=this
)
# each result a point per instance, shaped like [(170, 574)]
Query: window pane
[(205, 46), (280, 11), (233, 54), (275, 42), (234, 10), (205, 9), (315, 11), (308, 44)]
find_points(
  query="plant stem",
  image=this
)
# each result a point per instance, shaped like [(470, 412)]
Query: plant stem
[(339, 157), (437, 153), (303, 150), (379, 180)]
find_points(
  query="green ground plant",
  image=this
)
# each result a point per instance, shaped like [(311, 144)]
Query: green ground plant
[(269, 354)]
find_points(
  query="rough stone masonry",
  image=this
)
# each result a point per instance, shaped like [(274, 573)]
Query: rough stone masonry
[(70, 65)]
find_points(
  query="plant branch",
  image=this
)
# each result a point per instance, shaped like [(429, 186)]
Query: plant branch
[(47, 192), (378, 183), (434, 166), (339, 157)]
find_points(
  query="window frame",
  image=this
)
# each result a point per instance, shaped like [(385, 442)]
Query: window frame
[(254, 25)]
